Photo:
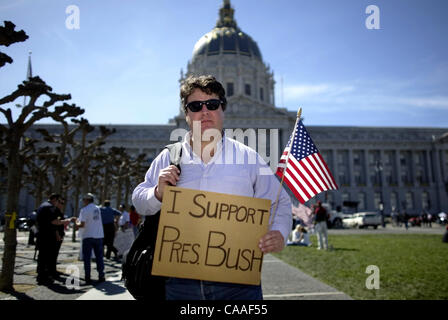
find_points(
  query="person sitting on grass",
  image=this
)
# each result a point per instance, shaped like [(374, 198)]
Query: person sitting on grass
[(300, 237)]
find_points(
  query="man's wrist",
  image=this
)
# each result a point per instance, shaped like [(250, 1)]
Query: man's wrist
[(157, 194)]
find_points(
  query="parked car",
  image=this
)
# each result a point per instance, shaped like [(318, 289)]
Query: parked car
[(362, 220), (335, 219)]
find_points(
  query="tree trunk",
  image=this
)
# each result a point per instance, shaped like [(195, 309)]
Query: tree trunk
[(126, 190), (15, 168), (119, 191), (76, 212)]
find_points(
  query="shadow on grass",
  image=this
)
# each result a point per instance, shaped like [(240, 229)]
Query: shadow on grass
[(344, 249)]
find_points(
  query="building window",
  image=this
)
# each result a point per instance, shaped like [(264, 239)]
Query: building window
[(261, 94), (405, 162), (342, 158), (394, 201), (362, 201), (409, 200), (359, 167), (377, 200), (230, 91), (426, 204), (390, 168), (247, 89)]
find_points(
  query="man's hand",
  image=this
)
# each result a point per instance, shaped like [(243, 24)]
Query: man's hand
[(272, 241), (66, 222), (167, 177)]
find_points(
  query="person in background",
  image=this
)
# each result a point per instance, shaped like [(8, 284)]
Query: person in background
[(108, 217), (60, 233), (47, 219), (320, 219), (300, 237), (92, 237), (33, 229), (124, 221), (134, 219)]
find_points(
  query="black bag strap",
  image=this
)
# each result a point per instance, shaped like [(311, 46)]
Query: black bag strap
[(152, 222), (175, 150)]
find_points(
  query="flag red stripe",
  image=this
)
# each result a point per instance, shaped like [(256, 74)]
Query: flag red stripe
[(324, 171), (317, 174), (329, 172), (294, 174), (311, 175), (309, 166), (293, 189), (297, 187), (299, 171)]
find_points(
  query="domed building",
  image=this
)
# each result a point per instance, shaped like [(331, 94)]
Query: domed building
[(235, 59), (375, 167)]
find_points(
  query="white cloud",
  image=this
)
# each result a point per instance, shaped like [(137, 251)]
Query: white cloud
[(315, 90), (426, 102)]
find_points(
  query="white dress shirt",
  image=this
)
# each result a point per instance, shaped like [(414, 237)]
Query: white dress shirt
[(234, 169)]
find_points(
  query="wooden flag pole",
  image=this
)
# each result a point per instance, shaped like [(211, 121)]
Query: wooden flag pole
[(299, 114)]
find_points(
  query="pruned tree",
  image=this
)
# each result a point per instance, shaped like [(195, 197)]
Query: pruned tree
[(82, 155), (36, 178), (14, 132), (9, 36)]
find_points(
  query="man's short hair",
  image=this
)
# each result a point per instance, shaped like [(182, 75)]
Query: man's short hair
[(54, 196), (89, 197), (107, 203), (207, 84)]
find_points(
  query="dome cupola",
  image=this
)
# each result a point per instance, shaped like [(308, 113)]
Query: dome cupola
[(226, 38)]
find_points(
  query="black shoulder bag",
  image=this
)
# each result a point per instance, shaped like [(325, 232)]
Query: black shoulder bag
[(137, 266)]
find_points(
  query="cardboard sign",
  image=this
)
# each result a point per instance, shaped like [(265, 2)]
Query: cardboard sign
[(210, 236)]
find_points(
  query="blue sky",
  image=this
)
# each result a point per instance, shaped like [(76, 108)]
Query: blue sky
[(123, 64)]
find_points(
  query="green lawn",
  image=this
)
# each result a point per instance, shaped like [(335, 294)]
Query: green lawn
[(412, 266)]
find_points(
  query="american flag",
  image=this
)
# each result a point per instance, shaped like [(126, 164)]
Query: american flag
[(306, 172)]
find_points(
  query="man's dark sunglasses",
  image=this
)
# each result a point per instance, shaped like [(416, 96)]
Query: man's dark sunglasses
[(196, 106)]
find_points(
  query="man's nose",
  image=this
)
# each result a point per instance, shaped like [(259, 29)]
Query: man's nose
[(204, 107)]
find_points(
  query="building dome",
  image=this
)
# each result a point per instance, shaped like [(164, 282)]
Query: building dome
[(235, 60), (226, 38)]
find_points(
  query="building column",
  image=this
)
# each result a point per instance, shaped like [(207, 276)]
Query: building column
[(366, 169), (350, 168), (442, 178), (428, 167), (335, 166), (398, 167), (412, 168)]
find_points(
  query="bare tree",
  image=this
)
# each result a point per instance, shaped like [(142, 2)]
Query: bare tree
[(9, 36), (36, 178), (14, 132)]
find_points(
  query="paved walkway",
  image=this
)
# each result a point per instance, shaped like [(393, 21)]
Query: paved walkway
[(280, 281)]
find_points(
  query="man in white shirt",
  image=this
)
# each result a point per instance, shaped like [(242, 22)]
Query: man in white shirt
[(92, 237), (217, 164), (124, 220)]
